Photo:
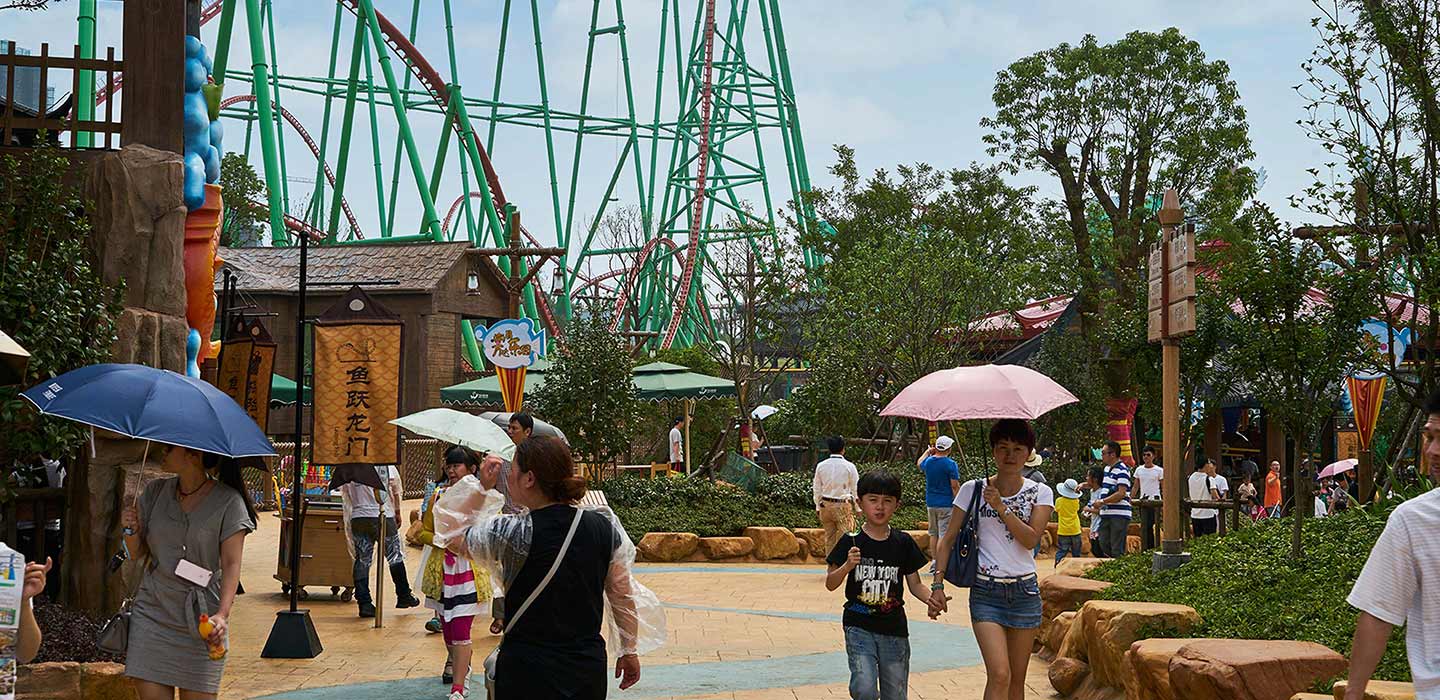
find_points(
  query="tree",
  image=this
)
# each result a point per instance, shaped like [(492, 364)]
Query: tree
[(1371, 91), (245, 222), (588, 391), (1293, 335), (1116, 124), (52, 300), (913, 262)]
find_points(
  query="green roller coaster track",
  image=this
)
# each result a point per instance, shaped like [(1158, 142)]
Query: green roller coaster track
[(696, 166)]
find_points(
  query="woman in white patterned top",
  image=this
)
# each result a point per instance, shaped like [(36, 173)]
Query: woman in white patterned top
[(1005, 600)]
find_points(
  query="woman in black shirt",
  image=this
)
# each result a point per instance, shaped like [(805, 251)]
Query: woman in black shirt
[(553, 649)]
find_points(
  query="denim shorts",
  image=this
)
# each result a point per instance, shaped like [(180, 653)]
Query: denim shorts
[(1015, 605)]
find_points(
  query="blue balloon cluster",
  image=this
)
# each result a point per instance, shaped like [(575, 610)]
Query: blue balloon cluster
[(202, 135)]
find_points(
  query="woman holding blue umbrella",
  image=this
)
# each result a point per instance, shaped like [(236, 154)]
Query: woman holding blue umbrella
[(188, 533)]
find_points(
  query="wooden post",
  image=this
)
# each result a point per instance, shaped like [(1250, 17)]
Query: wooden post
[(689, 413), (154, 39), (1170, 425), (380, 563)]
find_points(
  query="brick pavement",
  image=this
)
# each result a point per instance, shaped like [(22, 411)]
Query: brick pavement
[(730, 626)]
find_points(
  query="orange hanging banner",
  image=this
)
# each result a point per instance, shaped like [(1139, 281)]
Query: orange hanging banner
[(1366, 395)]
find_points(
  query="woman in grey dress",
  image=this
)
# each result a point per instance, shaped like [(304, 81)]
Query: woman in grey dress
[(200, 517)]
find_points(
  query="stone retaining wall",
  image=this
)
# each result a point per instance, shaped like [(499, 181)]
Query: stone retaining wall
[(770, 545), (67, 680)]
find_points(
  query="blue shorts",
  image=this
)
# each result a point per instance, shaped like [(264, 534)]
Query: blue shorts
[(1015, 605)]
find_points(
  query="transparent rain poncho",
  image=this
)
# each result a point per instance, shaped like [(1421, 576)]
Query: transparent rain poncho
[(468, 521)]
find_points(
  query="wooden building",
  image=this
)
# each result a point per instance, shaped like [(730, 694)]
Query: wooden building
[(432, 286)]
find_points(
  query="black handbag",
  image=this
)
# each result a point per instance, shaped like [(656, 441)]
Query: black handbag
[(114, 636), (964, 562)]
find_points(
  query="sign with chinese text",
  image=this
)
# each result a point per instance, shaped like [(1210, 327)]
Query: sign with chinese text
[(247, 360), (512, 343), (356, 377), (1171, 275)]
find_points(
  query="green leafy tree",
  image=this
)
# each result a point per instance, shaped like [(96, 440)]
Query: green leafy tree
[(916, 258), (52, 299), (588, 391), (245, 222), (1294, 334), (1371, 92), (1115, 125)]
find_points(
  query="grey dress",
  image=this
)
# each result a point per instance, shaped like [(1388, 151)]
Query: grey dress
[(165, 646)]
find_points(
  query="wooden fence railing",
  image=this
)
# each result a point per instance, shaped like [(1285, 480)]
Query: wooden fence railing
[(21, 123)]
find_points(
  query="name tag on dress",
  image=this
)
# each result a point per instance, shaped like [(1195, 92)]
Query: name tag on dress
[(194, 573)]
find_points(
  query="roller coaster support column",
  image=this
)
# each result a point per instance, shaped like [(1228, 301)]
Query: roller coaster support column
[(432, 218), (273, 185), (513, 281), (346, 125), (85, 101)]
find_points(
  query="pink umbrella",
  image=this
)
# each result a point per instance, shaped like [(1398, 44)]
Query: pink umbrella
[(1343, 465), (979, 392)]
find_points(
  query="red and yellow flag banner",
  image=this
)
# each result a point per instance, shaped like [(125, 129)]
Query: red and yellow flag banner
[(1366, 396)]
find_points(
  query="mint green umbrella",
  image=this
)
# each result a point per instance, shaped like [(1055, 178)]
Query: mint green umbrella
[(662, 381), (282, 390), (485, 391)]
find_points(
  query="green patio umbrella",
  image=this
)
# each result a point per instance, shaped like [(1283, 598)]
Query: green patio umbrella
[(662, 381), (485, 391), (282, 390)]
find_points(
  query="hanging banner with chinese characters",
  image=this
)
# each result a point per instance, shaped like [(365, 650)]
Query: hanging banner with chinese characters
[(356, 387), (247, 360), (512, 346)]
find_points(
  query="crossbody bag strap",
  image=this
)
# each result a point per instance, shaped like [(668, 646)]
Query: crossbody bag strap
[(565, 547)]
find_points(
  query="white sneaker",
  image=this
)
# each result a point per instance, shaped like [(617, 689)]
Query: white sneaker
[(460, 695)]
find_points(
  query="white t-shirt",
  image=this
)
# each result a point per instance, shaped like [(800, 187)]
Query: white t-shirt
[(1000, 554), (1149, 478), (1200, 485), (362, 497), (1222, 485), (1398, 586), (676, 454)]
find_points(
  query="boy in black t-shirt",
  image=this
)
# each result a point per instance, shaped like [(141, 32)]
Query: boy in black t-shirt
[(872, 563)]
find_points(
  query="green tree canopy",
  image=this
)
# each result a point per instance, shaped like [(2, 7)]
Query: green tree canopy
[(52, 300), (1115, 124), (588, 391)]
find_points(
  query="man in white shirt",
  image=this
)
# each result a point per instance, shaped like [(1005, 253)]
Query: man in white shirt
[(1204, 521), (677, 445), (1398, 584), (1149, 477), (835, 487), (365, 524)]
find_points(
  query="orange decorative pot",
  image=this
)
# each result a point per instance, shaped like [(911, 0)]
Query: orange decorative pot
[(202, 239)]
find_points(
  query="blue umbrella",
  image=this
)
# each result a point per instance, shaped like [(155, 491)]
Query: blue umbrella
[(152, 404)]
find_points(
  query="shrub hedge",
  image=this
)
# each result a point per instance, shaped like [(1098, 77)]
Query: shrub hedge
[(713, 509), (1246, 585)]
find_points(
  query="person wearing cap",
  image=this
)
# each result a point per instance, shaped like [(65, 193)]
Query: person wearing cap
[(1032, 472), (942, 483), (1067, 530)]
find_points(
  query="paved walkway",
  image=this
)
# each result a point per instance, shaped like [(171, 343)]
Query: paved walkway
[(739, 632)]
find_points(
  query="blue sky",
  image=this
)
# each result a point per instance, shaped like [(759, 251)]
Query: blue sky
[(899, 81)]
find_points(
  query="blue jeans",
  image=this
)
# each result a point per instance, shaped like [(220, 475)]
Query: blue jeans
[(1067, 544), (879, 665), (1015, 605)]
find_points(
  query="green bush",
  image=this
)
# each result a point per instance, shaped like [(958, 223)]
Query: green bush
[(712, 509), (1246, 586)]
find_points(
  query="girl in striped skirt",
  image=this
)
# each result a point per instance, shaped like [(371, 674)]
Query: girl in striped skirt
[(454, 587)]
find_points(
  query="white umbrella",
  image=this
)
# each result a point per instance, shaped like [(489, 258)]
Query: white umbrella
[(763, 411), (460, 428)]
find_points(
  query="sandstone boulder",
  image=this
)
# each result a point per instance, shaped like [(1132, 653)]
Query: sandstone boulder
[(138, 219), (1380, 690), (726, 547), (49, 681), (1107, 628), (1066, 674), (772, 542), (1309, 696), (668, 546), (814, 540), (1055, 635), (1077, 566), (1132, 543), (1072, 638), (1251, 669), (105, 681), (1150, 661), (922, 525), (1059, 593)]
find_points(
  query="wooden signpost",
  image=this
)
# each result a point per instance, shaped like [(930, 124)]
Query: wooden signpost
[(1171, 317)]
